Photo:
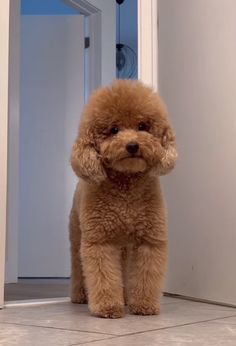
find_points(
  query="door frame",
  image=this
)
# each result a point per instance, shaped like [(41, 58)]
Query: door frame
[(147, 72), (148, 42), (4, 64), (11, 268)]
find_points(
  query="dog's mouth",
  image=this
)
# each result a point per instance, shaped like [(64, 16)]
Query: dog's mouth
[(131, 156), (128, 163)]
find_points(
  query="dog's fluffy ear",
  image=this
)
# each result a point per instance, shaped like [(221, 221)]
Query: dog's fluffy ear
[(169, 155), (85, 161)]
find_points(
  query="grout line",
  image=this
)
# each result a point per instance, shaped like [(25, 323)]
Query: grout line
[(219, 307), (157, 329), (198, 300), (87, 342), (57, 328)]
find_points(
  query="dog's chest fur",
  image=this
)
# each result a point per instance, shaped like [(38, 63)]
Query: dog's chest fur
[(122, 214)]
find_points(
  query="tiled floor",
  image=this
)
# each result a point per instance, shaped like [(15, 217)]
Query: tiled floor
[(62, 323)]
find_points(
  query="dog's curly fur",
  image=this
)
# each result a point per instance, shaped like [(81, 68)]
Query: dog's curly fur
[(118, 229)]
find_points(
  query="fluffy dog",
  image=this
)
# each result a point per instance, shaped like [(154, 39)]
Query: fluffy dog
[(118, 229)]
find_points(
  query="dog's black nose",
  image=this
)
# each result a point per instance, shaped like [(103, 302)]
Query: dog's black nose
[(132, 147)]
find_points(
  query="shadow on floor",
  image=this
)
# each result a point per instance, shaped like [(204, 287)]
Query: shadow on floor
[(26, 289)]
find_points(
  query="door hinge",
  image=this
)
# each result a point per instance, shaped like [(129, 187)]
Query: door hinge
[(86, 42)]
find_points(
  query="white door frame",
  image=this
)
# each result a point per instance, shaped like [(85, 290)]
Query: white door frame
[(147, 72), (148, 42), (11, 269), (4, 63)]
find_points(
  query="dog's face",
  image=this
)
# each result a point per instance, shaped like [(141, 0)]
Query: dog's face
[(130, 142), (128, 126)]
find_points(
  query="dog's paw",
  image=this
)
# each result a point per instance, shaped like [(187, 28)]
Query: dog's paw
[(108, 310), (79, 296), (142, 309)]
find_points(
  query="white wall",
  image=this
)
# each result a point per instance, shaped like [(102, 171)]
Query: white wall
[(52, 90), (108, 9), (197, 76)]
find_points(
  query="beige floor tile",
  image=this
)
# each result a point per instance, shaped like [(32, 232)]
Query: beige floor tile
[(19, 335), (203, 334), (229, 320)]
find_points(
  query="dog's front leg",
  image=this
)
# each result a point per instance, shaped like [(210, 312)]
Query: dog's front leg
[(147, 270), (103, 277)]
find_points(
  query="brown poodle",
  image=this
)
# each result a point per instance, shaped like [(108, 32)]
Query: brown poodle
[(118, 229)]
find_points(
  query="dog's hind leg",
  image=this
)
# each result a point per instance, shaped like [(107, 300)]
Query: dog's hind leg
[(77, 290)]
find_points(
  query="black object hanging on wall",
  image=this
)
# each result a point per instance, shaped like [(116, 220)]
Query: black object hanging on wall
[(126, 58)]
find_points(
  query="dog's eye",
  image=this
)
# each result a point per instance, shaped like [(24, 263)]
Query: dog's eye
[(114, 130), (142, 127)]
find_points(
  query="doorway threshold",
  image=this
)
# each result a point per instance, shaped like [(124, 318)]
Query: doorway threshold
[(33, 302)]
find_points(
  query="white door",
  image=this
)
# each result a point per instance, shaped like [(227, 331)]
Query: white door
[(197, 78), (51, 101)]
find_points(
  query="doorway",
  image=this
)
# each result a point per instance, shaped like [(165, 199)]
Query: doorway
[(54, 81), (51, 45), (54, 63)]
